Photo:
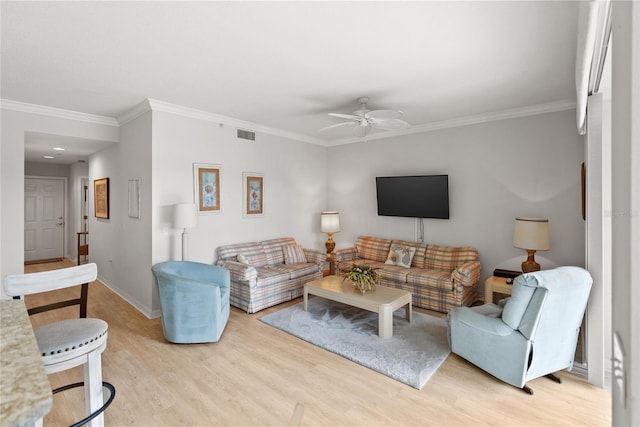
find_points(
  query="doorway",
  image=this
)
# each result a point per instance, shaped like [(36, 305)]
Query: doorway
[(44, 219)]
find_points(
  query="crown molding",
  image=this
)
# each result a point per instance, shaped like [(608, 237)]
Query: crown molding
[(221, 120), (24, 107), (513, 113), (135, 112), (155, 105)]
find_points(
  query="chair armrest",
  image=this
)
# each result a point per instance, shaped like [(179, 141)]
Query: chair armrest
[(315, 256), (467, 274), (239, 272), (479, 322), (344, 255)]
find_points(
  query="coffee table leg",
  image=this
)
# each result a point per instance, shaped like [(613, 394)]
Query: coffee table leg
[(409, 313), (305, 298), (385, 322)]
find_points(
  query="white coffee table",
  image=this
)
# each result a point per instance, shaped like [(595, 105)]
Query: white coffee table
[(383, 300)]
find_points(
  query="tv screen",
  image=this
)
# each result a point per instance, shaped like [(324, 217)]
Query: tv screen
[(425, 196)]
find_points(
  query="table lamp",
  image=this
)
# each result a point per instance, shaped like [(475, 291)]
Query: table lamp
[(531, 234), (185, 215), (330, 223)]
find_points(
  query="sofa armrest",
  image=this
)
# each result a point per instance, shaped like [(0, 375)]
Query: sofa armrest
[(239, 272), (315, 256), (345, 255), (467, 274)]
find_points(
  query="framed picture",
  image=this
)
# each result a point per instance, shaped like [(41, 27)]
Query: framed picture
[(101, 198), (207, 187), (134, 198), (253, 194)]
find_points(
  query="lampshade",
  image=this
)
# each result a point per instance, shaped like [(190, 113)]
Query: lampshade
[(329, 222), (185, 215), (531, 233)]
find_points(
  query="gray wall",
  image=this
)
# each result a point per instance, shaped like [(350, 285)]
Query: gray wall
[(497, 171)]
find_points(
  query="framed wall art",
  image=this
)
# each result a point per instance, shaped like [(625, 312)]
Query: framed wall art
[(101, 198), (207, 180), (253, 194), (134, 198)]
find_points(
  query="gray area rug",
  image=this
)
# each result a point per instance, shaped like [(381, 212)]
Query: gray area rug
[(411, 356)]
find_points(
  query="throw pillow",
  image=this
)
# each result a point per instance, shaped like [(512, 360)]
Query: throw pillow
[(293, 254), (242, 259), (400, 255)]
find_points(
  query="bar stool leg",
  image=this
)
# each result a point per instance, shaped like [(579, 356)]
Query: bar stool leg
[(93, 387)]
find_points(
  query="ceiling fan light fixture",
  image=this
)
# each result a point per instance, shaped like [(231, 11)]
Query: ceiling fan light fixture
[(364, 119)]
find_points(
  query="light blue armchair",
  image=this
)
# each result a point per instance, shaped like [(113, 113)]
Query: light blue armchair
[(532, 334), (194, 299)]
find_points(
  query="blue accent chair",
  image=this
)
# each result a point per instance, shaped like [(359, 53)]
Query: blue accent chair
[(531, 334), (194, 299)]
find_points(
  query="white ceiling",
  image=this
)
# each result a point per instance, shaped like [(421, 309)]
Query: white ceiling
[(285, 65)]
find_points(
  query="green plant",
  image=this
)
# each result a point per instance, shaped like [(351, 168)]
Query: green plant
[(364, 277)]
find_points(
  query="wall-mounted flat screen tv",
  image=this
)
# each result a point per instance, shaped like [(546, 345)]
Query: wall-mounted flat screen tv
[(425, 196)]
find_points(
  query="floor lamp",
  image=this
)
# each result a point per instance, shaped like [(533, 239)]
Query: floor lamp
[(185, 216), (330, 223)]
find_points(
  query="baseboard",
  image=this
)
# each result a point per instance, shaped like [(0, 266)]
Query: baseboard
[(43, 261), (132, 301), (580, 370)]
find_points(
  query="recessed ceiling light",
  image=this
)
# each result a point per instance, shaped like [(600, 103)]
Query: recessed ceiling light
[(48, 157), (58, 149)]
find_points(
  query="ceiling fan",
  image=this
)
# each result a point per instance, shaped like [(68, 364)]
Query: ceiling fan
[(363, 120)]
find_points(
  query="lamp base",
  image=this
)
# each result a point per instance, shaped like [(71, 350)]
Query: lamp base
[(530, 264), (330, 245), (185, 245)]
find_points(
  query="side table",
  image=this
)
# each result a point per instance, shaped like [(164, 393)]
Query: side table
[(495, 285)]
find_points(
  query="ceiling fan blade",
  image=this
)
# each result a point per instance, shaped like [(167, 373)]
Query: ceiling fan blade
[(336, 126), (384, 114), (345, 116), (394, 124)]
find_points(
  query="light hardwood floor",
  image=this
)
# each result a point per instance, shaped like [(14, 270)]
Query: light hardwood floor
[(257, 375)]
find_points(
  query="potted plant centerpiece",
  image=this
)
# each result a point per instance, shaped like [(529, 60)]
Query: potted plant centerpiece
[(364, 277)]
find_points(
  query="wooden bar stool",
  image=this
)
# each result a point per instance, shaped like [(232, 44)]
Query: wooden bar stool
[(69, 343)]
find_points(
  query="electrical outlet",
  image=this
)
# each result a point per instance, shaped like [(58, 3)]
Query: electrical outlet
[(619, 370)]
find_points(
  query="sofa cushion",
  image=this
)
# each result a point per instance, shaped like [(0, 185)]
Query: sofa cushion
[(273, 249), (343, 265), (418, 258), (394, 273), (297, 270), (294, 254), (400, 255), (256, 259), (373, 248), (447, 257), (271, 275), (438, 279), (228, 252)]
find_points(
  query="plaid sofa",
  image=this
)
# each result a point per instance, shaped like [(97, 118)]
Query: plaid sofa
[(264, 279), (440, 278)]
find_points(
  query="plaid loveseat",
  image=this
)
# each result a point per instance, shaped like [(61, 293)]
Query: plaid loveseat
[(440, 278), (267, 273)]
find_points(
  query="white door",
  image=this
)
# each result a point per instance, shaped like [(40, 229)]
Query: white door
[(43, 218)]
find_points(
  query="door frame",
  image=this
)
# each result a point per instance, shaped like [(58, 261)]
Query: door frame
[(65, 207)]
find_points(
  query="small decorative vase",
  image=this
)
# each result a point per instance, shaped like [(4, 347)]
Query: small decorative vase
[(363, 277), (363, 286)]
